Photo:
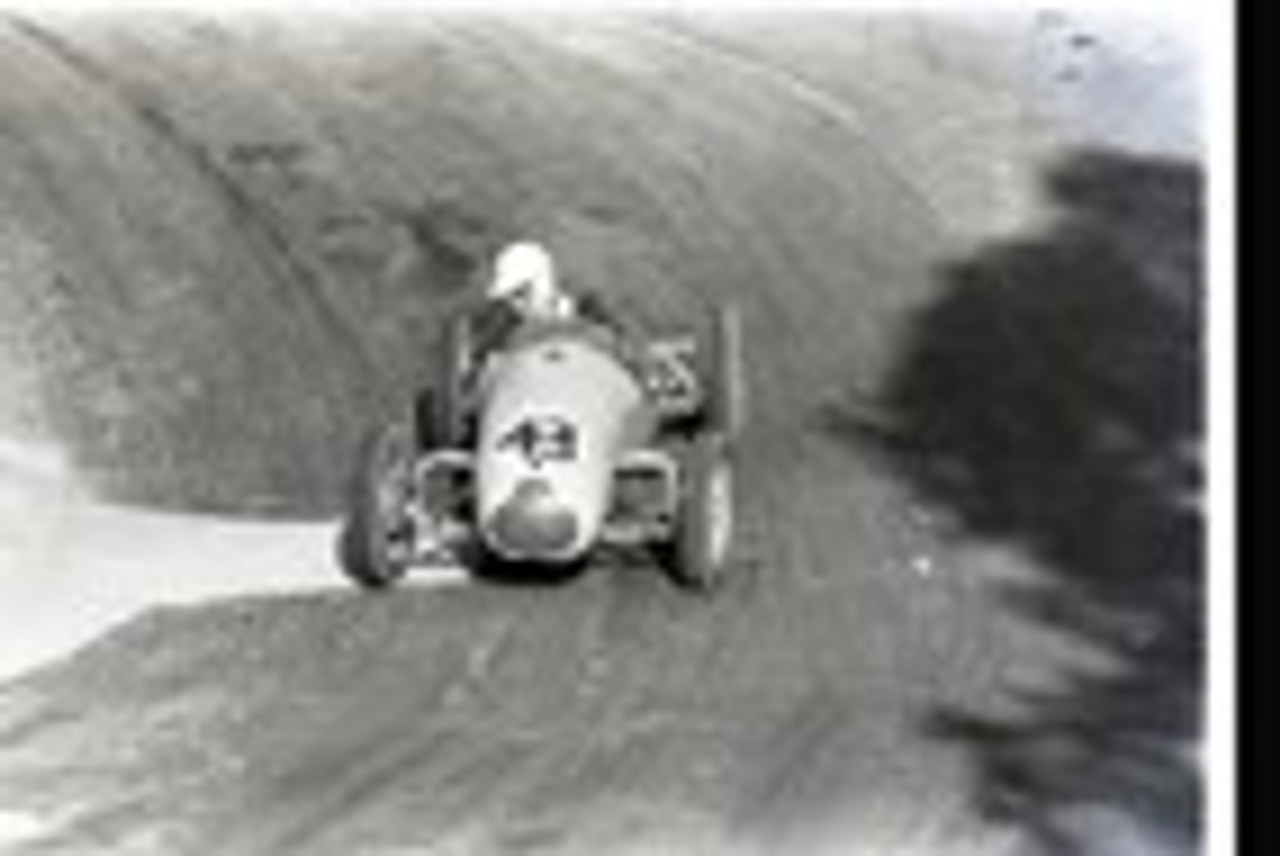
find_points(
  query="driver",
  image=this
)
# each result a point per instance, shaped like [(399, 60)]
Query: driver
[(525, 291), (525, 280)]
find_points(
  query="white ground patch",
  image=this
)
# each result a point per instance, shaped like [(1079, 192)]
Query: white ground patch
[(19, 828), (1127, 80), (71, 569)]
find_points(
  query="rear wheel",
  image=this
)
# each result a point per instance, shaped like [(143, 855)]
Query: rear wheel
[(722, 373), (704, 529), (448, 427), (376, 543), (427, 422)]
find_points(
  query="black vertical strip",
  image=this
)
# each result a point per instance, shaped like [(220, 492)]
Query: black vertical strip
[(1254, 455)]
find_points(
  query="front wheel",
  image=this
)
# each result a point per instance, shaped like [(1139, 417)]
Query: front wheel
[(376, 542), (704, 528)]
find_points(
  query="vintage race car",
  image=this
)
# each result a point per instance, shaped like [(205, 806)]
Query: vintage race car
[(566, 438)]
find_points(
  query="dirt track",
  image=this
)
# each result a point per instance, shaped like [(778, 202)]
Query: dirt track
[(221, 246)]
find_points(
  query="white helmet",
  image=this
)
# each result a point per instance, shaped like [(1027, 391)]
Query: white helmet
[(524, 276)]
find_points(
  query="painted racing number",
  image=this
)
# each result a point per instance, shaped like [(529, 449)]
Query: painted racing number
[(541, 439)]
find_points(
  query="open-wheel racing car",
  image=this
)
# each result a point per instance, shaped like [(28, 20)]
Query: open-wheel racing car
[(564, 438)]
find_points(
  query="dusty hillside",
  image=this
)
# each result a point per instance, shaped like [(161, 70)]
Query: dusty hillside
[(234, 240), (223, 247)]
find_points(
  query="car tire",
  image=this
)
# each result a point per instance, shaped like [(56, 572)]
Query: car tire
[(723, 374), (427, 422), (453, 374), (374, 545), (704, 527)]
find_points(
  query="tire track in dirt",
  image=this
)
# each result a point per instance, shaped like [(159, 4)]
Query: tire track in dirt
[(266, 241), (796, 88)]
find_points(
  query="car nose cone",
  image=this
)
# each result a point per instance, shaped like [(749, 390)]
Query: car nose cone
[(533, 524)]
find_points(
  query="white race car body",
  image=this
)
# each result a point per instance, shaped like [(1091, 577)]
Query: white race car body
[(558, 412), (558, 436)]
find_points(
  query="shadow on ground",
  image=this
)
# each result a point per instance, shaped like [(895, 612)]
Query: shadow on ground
[(1050, 399)]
